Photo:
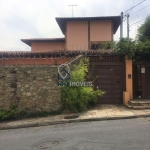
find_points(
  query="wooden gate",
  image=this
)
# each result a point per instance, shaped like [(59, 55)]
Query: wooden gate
[(108, 73), (141, 79), (148, 82)]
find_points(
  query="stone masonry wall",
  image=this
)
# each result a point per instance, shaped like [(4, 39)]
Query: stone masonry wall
[(32, 88)]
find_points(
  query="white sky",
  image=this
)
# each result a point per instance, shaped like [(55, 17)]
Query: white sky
[(21, 19)]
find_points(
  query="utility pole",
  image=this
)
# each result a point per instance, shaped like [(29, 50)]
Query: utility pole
[(128, 26), (72, 8), (121, 26)]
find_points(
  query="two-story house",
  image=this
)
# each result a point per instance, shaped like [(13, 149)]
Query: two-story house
[(119, 77), (79, 33), (83, 33)]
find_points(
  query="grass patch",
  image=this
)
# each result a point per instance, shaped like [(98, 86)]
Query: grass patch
[(13, 114)]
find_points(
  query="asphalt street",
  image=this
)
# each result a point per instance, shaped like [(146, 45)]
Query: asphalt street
[(126, 134)]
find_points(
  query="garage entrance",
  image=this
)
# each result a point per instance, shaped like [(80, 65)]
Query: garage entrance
[(109, 77)]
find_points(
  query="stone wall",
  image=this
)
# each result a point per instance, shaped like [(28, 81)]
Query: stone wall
[(32, 88)]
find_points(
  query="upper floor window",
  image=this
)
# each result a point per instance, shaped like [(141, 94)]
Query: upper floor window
[(95, 46)]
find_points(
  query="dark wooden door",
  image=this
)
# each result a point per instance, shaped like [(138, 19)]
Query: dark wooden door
[(137, 80), (148, 82), (110, 80)]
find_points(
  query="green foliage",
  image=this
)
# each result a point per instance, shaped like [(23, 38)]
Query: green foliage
[(77, 98), (102, 46), (133, 48), (108, 45), (144, 30), (26, 114), (143, 47), (11, 113), (125, 47)]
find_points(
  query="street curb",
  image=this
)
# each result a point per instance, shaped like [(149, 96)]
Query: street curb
[(36, 124)]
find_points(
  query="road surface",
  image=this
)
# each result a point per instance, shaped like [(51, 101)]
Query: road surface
[(127, 134)]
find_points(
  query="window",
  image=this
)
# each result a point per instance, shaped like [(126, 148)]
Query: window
[(95, 46)]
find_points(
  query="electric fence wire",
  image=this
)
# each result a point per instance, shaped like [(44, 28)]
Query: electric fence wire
[(49, 57)]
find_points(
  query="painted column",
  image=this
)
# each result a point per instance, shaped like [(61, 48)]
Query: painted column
[(128, 94)]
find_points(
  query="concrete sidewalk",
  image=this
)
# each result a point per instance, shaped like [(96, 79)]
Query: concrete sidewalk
[(101, 112)]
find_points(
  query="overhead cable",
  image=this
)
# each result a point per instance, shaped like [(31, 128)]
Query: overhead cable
[(134, 6)]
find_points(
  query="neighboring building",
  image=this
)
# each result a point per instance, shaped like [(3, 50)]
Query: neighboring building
[(80, 33), (45, 44)]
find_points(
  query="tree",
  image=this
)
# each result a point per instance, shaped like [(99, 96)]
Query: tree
[(126, 46), (144, 30)]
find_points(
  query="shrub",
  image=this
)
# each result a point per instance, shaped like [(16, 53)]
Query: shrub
[(11, 113), (77, 98)]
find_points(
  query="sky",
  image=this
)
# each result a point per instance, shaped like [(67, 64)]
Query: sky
[(21, 19)]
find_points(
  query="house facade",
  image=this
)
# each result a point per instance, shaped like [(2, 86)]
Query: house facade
[(117, 75), (79, 34)]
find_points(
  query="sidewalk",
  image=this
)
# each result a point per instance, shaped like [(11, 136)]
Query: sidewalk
[(101, 112)]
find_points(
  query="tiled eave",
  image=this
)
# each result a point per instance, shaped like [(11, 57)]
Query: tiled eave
[(29, 41), (51, 54), (63, 20)]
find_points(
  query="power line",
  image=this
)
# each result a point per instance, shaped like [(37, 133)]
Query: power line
[(134, 6), (139, 10), (127, 17), (124, 18), (134, 16), (137, 22), (137, 15), (133, 19)]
